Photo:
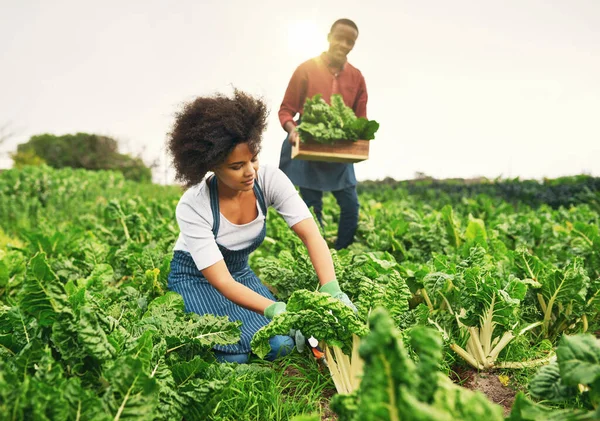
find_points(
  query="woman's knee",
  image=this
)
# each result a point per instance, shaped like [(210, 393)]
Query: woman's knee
[(280, 346)]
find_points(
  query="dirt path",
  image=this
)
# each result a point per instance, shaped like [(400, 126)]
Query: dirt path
[(487, 383)]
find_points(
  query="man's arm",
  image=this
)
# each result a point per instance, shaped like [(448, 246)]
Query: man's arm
[(293, 135), (360, 103), (293, 100)]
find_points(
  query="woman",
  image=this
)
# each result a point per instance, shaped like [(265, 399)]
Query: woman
[(222, 218)]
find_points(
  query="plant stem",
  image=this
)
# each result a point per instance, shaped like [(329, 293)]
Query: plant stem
[(427, 300), (466, 356), (526, 364)]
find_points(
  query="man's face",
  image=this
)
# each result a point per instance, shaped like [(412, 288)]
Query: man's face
[(341, 42)]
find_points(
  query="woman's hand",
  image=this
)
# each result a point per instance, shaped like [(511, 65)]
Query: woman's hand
[(333, 288), (278, 308), (274, 309)]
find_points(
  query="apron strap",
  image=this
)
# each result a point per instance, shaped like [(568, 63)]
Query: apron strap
[(214, 202), (214, 205), (260, 197)]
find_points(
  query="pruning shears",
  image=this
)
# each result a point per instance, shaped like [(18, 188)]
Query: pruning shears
[(317, 352)]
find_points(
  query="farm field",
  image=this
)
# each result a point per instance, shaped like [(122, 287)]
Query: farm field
[(474, 300)]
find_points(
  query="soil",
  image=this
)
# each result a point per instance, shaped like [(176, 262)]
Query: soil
[(326, 413), (488, 384)]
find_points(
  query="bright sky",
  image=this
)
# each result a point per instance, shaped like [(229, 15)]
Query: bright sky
[(461, 88)]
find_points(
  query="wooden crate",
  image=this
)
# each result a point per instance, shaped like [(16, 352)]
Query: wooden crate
[(346, 151)]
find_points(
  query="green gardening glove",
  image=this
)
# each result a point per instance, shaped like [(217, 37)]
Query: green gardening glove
[(278, 308), (274, 309), (333, 288)]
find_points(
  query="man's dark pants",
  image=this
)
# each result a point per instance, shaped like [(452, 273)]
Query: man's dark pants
[(347, 200)]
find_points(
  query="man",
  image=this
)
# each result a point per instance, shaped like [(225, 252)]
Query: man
[(328, 74)]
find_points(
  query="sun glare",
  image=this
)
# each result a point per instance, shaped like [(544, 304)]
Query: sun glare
[(305, 40)]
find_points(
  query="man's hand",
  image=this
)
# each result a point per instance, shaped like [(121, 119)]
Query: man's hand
[(293, 137), (333, 288)]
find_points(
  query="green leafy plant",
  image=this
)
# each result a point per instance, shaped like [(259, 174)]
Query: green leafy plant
[(567, 297), (314, 314), (576, 371), (394, 387), (326, 123)]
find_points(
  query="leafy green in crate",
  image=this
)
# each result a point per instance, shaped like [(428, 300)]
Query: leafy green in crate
[(326, 123)]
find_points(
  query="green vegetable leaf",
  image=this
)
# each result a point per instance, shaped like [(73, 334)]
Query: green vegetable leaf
[(326, 124), (314, 314), (548, 385), (43, 296), (579, 359)]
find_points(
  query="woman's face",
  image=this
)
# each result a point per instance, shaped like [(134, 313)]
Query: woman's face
[(238, 172)]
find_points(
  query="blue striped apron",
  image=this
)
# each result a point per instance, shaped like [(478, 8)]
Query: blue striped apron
[(201, 297)]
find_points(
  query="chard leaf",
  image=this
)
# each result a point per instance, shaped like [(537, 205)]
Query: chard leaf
[(394, 387), (132, 392), (566, 285), (186, 390), (16, 330), (579, 359), (437, 284), (288, 272), (178, 328), (91, 336), (366, 128), (171, 404), (43, 296), (202, 395), (451, 226), (372, 280), (314, 314), (185, 371), (476, 233), (531, 265), (428, 345), (326, 123), (525, 410), (142, 350), (548, 385), (101, 275), (84, 403), (516, 288), (388, 371), (170, 300)]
